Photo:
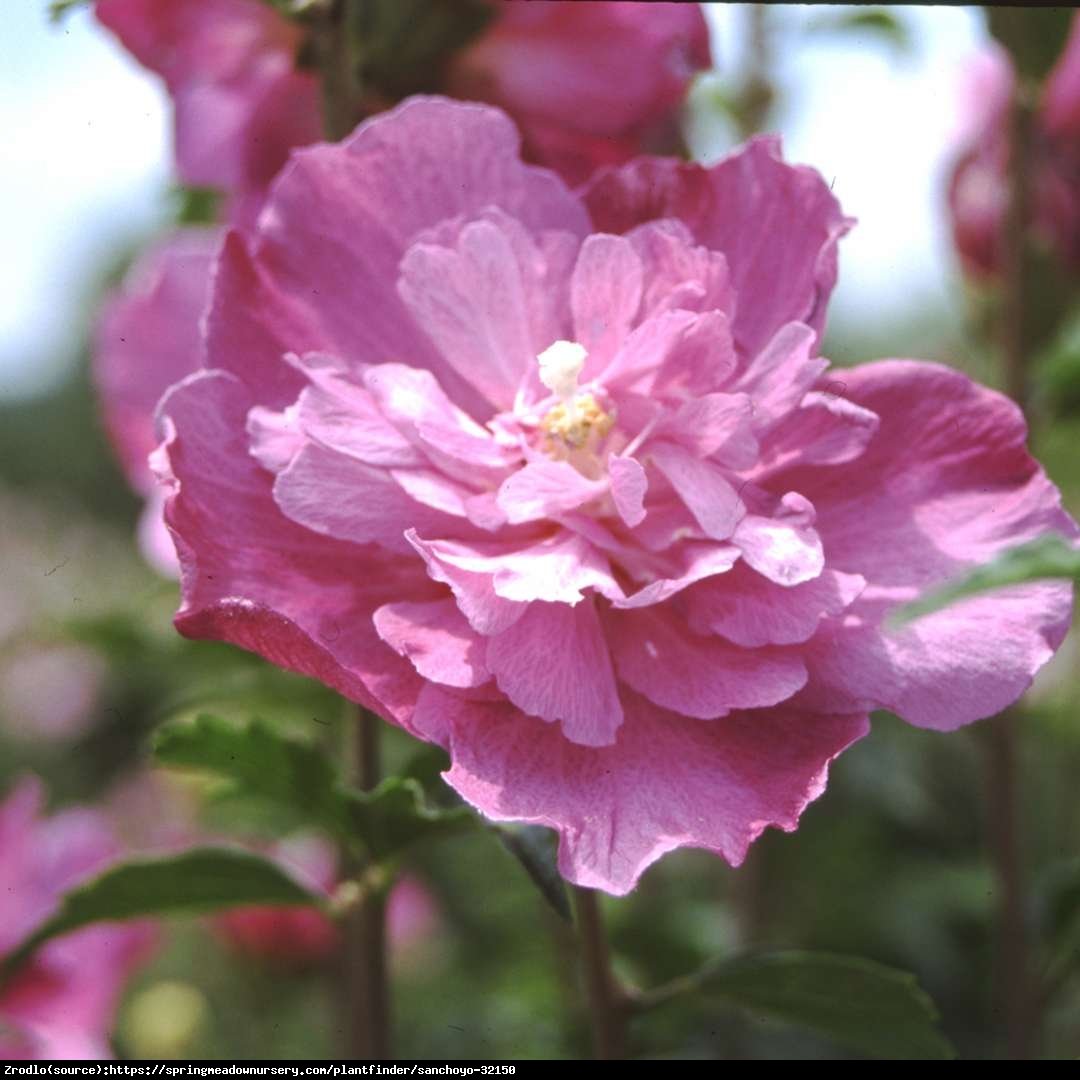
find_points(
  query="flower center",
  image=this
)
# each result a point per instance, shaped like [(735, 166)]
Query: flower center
[(577, 422)]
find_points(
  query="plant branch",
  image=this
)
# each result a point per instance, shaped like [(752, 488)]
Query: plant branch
[(607, 1002)]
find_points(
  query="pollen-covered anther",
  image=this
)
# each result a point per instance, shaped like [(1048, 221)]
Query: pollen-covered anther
[(577, 423)]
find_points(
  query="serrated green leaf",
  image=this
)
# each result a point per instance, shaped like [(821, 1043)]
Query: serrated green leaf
[(869, 1008), (193, 883), (260, 761), (394, 816), (264, 764), (1047, 557), (536, 849)]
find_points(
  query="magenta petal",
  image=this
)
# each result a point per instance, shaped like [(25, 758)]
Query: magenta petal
[(716, 426), (691, 562), (948, 669), (438, 640), (668, 781), (777, 225), (781, 374), (253, 577), (554, 663), (703, 677)]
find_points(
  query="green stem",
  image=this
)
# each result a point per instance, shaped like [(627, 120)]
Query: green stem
[(364, 981), (605, 999), (1016, 997)]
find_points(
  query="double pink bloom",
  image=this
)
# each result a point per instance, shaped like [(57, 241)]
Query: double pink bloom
[(559, 483)]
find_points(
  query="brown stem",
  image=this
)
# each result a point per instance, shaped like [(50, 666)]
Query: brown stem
[(1016, 998), (363, 981), (606, 1001), (756, 93), (337, 66)]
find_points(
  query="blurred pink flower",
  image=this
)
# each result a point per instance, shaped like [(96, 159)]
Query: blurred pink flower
[(300, 937), (659, 544), (62, 1004), (978, 187), (147, 337), (592, 84), (240, 104), (588, 84)]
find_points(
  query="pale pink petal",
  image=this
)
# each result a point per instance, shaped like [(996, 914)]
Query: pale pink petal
[(471, 302), (474, 591), (544, 488), (554, 663), (751, 610), (628, 486), (668, 781), (340, 497), (703, 486), (691, 562), (605, 294), (703, 677), (786, 547), (437, 639), (781, 374), (826, 429), (716, 426)]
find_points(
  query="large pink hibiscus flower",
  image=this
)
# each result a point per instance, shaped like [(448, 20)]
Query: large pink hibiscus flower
[(557, 482), (61, 1005)]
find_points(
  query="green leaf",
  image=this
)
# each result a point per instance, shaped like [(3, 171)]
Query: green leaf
[(866, 1007), (1048, 556), (192, 883), (261, 762), (536, 848), (264, 764), (394, 816), (875, 22)]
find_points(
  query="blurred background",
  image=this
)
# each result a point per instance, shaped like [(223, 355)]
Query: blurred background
[(892, 864)]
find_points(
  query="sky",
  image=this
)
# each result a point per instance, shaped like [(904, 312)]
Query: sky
[(84, 162)]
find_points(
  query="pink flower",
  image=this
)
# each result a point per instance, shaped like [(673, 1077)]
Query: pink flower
[(62, 1004), (147, 338), (588, 84), (592, 84), (230, 66), (559, 483), (978, 187)]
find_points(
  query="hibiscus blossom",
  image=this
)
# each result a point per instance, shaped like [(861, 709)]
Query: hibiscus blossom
[(592, 83), (978, 187), (558, 482), (62, 1004)]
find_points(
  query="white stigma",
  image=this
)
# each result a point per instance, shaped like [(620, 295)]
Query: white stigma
[(560, 366)]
